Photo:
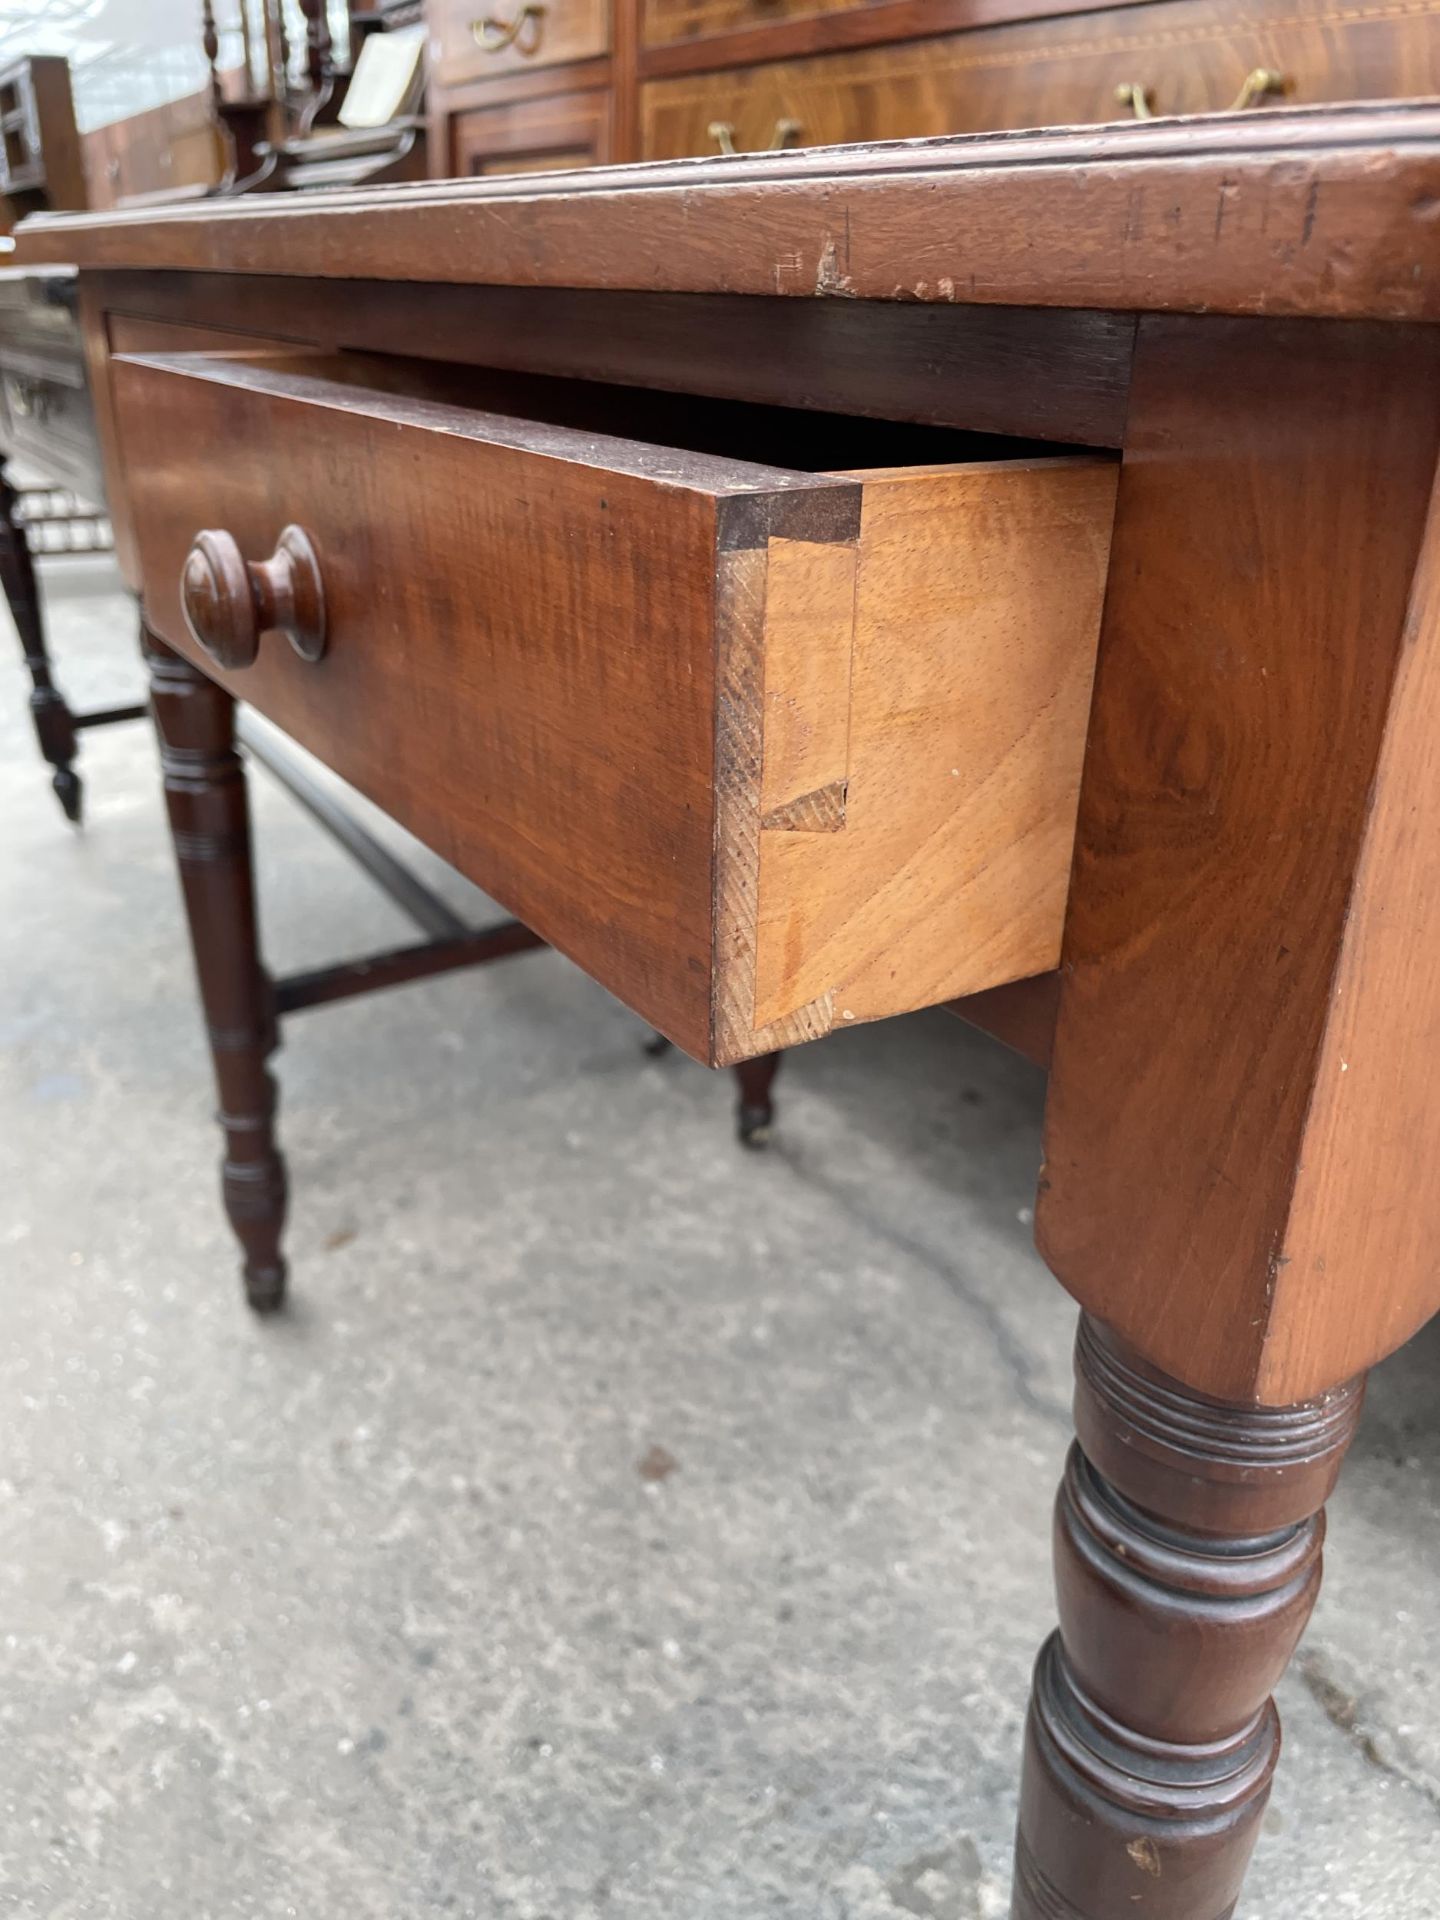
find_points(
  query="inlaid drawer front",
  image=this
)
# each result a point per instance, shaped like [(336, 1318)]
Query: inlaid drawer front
[(765, 751), (665, 23), (1176, 57), (473, 39)]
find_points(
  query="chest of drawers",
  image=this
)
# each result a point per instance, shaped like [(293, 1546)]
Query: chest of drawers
[(578, 81)]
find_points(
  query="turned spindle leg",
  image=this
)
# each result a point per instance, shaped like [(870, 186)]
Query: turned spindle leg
[(1188, 1545), (210, 826), (755, 1109), (54, 722)]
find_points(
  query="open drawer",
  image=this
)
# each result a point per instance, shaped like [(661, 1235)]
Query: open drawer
[(765, 751)]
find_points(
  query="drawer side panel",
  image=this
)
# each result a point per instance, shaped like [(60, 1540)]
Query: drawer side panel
[(977, 617)]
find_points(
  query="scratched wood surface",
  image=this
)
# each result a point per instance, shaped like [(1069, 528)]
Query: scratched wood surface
[(1323, 212)]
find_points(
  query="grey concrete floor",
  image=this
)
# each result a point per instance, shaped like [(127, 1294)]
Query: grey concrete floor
[(380, 1610)]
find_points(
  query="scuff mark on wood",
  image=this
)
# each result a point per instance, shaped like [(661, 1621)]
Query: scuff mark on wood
[(1146, 1856), (1312, 201), (820, 811), (829, 278)]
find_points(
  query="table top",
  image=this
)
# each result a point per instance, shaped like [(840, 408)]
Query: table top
[(1321, 211)]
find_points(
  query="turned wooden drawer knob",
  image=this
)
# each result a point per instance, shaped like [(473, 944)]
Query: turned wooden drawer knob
[(229, 601)]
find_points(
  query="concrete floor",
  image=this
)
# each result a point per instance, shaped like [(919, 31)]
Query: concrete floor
[(618, 1525)]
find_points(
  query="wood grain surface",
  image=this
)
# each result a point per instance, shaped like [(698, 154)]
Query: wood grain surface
[(682, 35), (954, 730), (1021, 1014), (1049, 375), (558, 31), (531, 136), (1357, 1274), (1322, 212), (1190, 56), (471, 686), (763, 750), (1251, 901)]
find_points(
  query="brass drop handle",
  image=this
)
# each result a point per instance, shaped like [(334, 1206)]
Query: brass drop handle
[(787, 134), (522, 31), (1132, 94), (1259, 82), (229, 601)]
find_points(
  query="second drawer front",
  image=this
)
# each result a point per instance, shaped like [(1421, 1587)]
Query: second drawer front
[(764, 751), (1188, 56), (665, 23), (532, 136)]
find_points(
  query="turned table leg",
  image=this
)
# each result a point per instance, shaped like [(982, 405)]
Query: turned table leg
[(54, 722), (1240, 1125), (210, 825), (1188, 1546)]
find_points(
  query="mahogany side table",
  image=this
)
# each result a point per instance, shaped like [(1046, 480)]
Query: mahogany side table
[(807, 587)]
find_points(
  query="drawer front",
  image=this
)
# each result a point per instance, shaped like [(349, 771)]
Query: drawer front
[(533, 136), (668, 23), (475, 39), (1185, 56), (764, 752)]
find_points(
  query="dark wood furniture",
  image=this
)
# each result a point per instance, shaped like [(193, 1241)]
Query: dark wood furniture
[(220, 135), (583, 625), (307, 148), (545, 84), (213, 142), (45, 416), (41, 160), (575, 82), (174, 148), (47, 425)]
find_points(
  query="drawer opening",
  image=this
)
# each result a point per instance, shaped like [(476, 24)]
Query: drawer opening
[(800, 440)]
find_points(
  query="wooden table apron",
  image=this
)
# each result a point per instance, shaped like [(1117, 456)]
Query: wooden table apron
[(1240, 1129)]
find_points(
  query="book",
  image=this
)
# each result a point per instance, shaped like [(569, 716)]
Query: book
[(388, 80)]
